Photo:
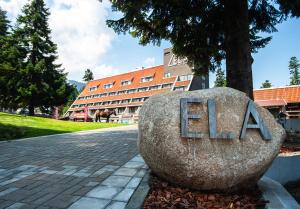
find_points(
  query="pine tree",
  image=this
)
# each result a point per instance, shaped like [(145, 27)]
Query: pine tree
[(4, 23), (42, 83), (294, 66), (10, 63), (207, 32), (220, 78), (266, 84), (88, 75)]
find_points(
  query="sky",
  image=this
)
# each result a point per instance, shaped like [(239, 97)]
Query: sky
[(84, 41)]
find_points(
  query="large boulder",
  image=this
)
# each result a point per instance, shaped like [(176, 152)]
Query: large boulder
[(205, 163)]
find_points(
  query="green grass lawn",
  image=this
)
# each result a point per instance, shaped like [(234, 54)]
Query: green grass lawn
[(18, 126)]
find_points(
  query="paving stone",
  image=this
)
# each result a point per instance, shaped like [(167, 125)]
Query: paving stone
[(98, 173), (17, 195), (124, 195), (134, 164), (73, 189), (110, 167), (92, 184), (62, 201), (49, 171), (134, 182), (141, 173), (104, 192), (82, 191), (44, 198), (116, 181), (42, 207), (2, 170), (116, 205), (125, 172), (5, 204), (90, 203), (81, 174), (35, 196), (138, 158), (9, 181), (70, 167), (16, 206), (7, 191)]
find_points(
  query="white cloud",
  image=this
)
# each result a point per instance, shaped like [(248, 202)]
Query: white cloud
[(79, 30), (150, 62), (104, 71), (13, 7)]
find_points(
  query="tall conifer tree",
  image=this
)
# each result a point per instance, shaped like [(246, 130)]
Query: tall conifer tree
[(10, 63), (88, 75), (43, 82), (4, 23), (266, 84), (220, 78), (207, 32), (294, 67)]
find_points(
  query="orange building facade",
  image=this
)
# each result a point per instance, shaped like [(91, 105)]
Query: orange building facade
[(126, 93), (280, 99)]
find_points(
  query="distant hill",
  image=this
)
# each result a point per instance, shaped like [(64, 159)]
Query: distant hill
[(79, 85)]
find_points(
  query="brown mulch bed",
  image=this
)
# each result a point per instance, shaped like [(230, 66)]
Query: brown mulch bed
[(288, 149), (165, 196)]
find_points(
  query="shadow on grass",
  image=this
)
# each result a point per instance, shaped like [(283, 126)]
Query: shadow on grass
[(10, 132)]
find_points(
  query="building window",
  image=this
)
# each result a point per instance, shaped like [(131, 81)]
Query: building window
[(154, 87), (108, 85), (88, 97), (125, 101), (121, 110), (94, 88), (185, 77), (111, 93), (97, 104), (115, 102), (180, 88), (132, 110), (146, 98), (137, 99), (167, 75), (121, 92), (142, 89), (126, 83), (167, 85), (106, 103), (130, 91), (103, 95), (90, 104), (147, 79)]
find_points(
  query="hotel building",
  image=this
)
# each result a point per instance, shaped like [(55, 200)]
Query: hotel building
[(126, 93)]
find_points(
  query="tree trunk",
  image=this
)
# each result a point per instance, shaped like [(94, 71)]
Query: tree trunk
[(31, 110), (237, 44)]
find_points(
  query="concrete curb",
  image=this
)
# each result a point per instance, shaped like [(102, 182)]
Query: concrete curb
[(277, 195), (131, 127), (138, 197), (285, 169)]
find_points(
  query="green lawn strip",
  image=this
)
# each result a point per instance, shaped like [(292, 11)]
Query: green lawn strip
[(18, 126)]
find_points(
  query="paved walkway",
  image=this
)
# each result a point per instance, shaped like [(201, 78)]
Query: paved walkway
[(85, 170)]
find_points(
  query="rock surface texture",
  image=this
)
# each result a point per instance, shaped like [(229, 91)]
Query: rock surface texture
[(206, 164)]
